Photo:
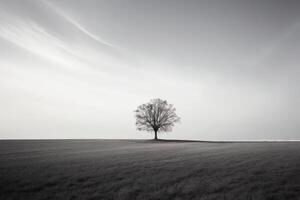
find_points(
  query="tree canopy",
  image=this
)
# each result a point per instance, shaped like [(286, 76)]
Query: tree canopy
[(156, 116)]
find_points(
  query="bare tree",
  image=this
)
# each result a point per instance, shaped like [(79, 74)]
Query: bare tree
[(156, 116)]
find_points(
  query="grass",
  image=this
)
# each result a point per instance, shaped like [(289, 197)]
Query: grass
[(137, 169)]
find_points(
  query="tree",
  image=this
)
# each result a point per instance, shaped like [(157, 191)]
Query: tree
[(157, 116)]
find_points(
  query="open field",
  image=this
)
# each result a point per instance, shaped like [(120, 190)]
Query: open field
[(138, 169)]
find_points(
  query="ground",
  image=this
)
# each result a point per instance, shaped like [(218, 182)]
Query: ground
[(140, 169)]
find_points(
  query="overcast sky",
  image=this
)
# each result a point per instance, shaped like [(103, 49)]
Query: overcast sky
[(79, 68)]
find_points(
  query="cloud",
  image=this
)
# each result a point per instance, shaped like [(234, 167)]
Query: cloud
[(32, 37), (79, 26)]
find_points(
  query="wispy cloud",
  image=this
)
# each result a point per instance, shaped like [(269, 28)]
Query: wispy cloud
[(79, 26), (32, 37)]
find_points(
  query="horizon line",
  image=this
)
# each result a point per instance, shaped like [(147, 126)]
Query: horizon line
[(166, 140)]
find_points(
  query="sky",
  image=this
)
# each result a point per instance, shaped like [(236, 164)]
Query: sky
[(79, 68)]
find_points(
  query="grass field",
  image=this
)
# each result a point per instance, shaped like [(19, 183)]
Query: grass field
[(139, 169)]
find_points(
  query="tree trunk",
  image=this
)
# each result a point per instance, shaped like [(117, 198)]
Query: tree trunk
[(155, 135)]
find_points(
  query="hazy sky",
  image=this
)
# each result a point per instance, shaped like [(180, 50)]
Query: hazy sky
[(78, 68)]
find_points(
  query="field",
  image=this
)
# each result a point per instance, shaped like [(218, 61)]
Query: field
[(140, 169)]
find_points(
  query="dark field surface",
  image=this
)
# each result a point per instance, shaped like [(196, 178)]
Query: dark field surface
[(129, 169)]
